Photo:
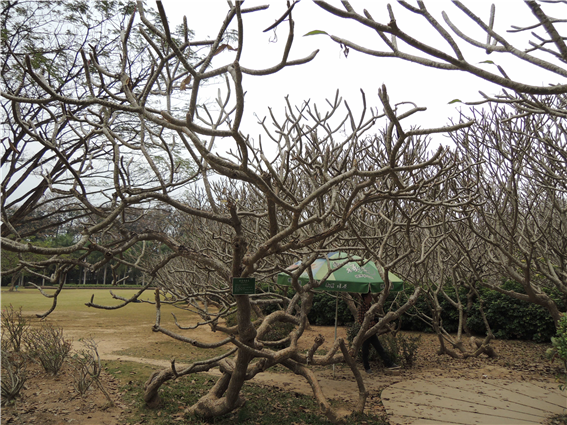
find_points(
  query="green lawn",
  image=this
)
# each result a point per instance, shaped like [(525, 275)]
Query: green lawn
[(134, 320), (32, 301)]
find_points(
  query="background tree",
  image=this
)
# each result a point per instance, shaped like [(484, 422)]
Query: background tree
[(450, 276), (521, 220)]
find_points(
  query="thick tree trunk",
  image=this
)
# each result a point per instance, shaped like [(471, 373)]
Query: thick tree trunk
[(14, 282), (350, 304), (214, 404), (152, 385), (317, 391), (225, 396), (484, 347)]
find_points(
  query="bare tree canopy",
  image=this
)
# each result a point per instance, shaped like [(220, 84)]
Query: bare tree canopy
[(119, 158), (547, 50), (147, 175), (520, 220), (519, 148)]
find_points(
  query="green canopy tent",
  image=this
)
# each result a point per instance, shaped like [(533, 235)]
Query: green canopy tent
[(351, 277)]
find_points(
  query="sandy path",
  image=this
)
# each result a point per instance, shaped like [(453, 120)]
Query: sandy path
[(485, 395), (338, 384)]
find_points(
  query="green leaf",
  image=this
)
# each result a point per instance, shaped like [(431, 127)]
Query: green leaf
[(488, 61), (455, 101), (315, 32)]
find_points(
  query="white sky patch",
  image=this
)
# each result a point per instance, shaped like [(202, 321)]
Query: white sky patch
[(319, 79)]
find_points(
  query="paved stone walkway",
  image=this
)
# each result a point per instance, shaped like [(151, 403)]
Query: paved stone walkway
[(438, 401)]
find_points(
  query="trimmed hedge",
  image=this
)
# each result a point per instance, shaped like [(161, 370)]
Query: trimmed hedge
[(509, 318), (323, 311)]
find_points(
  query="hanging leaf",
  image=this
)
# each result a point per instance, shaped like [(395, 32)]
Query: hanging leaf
[(184, 83), (488, 61), (222, 47), (13, 147), (455, 101), (345, 49), (315, 32)]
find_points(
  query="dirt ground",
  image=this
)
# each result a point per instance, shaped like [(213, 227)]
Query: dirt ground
[(48, 400)]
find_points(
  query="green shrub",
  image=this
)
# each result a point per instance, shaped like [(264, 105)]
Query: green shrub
[(407, 348), (510, 318), (401, 349), (13, 375), (47, 346), (559, 350), (560, 340), (14, 328), (323, 311)]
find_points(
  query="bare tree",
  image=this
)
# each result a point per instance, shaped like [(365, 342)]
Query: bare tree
[(450, 55), (43, 148), (521, 218), (386, 229), (426, 239), (140, 144), (40, 147), (453, 271)]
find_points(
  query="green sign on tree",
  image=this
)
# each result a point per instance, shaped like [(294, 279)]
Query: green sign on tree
[(243, 285)]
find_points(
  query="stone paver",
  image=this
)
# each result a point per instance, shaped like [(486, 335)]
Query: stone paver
[(438, 401)]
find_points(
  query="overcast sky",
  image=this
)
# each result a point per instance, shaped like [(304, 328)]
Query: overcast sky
[(331, 70)]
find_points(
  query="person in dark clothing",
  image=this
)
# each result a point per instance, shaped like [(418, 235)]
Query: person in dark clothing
[(373, 340)]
